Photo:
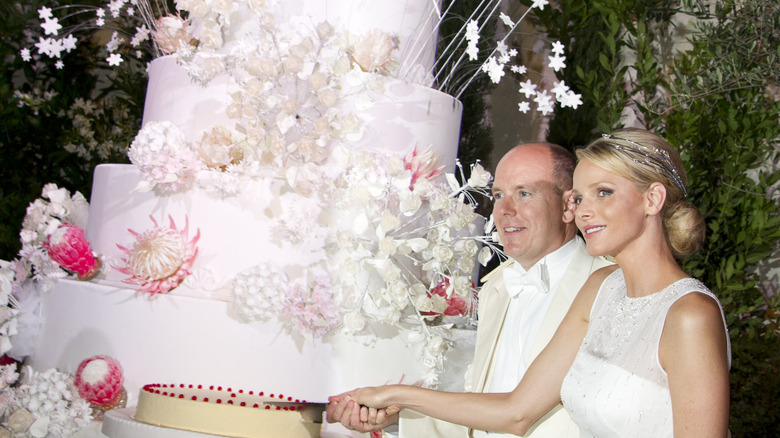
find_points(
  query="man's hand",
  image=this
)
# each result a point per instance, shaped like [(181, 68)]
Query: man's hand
[(343, 409)]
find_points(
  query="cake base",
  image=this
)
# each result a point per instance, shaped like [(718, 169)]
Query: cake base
[(228, 412), (121, 423)]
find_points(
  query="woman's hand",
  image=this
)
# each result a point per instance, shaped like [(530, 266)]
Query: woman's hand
[(364, 416)]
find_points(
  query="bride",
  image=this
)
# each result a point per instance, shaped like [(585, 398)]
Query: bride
[(643, 351)]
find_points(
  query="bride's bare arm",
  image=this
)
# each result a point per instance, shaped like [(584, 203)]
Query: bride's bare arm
[(514, 412)]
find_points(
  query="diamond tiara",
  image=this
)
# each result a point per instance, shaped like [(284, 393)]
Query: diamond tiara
[(651, 156)]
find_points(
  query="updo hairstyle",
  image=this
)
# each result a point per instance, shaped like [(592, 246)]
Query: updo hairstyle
[(643, 158)]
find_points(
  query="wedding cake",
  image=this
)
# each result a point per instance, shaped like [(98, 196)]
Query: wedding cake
[(286, 221)]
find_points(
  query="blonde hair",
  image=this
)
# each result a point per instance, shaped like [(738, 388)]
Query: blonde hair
[(644, 158)]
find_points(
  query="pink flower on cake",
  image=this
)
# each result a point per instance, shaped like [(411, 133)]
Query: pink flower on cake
[(44, 217), (425, 165), (99, 381), (457, 305), (70, 249), (161, 258)]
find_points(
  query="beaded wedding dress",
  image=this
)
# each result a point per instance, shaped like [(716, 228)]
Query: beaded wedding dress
[(616, 386)]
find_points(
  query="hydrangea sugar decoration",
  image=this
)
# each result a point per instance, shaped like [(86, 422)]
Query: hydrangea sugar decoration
[(43, 404), (167, 161)]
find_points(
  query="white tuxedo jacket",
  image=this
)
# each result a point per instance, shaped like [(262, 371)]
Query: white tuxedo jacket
[(493, 305)]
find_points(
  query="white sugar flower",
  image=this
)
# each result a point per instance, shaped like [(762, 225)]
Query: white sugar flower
[(472, 36), (519, 69), (479, 176), (114, 59), (44, 13), (435, 345), (423, 303), (528, 88), (305, 306), (211, 36), (354, 322), (221, 7), (559, 90), (571, 99), (373, 51), (410, 203), (557, 48), (557, 62), (51, 26), (53, 403), (523, 107), (114, 42), (218, 149), (494, 69)]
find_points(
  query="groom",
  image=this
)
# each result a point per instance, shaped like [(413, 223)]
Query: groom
[(524, 299)]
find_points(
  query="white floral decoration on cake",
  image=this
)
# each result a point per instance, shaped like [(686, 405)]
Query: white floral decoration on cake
[(44, 216), (160, 258), (44, 404), (400, 247), (9, 309), (166, 159), (303, 305)]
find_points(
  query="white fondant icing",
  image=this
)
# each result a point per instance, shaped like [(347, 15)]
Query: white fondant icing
[(183, 339), (397, 119)]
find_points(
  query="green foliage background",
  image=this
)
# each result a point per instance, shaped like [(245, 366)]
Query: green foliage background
[(718, 102), (38, 116)]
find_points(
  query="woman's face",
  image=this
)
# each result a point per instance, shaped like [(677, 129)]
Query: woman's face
[(609, 209)]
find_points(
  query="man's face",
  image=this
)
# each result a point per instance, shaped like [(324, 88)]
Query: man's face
[(528, 211)]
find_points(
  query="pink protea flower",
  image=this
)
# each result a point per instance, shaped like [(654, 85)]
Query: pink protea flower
[(425, 165), (70, 249), (161, 258), (99, 381)]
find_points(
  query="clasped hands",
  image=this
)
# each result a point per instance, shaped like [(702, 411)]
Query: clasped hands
[(364, 409)]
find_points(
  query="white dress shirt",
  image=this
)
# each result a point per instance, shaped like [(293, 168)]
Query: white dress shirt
[(527, 307)]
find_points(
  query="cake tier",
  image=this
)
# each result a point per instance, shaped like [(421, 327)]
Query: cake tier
[(172, 338), (236, 232), (414, 23), (395, 118)]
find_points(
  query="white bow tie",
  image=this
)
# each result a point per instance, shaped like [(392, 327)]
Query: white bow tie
[(516, 279)]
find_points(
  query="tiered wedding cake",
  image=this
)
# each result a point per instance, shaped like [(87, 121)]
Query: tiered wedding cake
[(280, 228)]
